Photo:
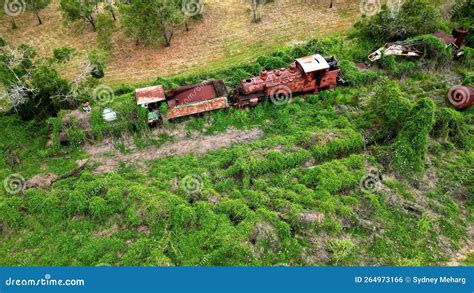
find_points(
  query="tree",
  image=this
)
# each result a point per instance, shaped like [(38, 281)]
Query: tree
[(151, 20), (255, 5), (191, 9), (74, 10), (11, 9), (36, 6), (109, 5), (34, 88), (415, 18), (105, 28)]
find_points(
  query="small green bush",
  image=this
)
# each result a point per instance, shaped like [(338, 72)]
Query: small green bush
[(98, 208), (63, 54)]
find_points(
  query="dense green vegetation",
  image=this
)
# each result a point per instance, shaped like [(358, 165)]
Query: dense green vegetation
[(297, 196)]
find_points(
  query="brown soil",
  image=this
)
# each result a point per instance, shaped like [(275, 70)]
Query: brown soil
[(41, 181), (108, 157)]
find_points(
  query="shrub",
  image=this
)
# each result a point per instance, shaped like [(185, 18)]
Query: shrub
[(105, 28), (391, 108), (63, 54), (269, 62), (353, 75), (335, 175), (98, 208), (449, 125), (414, 18), (341, 249), (410, 147)]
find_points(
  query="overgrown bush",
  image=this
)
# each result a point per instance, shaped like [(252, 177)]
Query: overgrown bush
[(414, 18), (391, 107), (63, 54), (355, 76), (410, 146), (105, 27)]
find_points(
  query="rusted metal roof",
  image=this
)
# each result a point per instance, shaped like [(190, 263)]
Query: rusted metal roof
[(150, 95), (199, 107), (445, 38), (313, 63)]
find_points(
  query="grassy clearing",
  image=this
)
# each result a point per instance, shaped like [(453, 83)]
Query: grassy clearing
[(224, 37)]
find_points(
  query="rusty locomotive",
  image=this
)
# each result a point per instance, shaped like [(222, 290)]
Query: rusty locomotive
[(307, 75)]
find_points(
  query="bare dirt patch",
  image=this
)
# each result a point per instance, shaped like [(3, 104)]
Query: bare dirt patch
[(108, 157), (41, 181)]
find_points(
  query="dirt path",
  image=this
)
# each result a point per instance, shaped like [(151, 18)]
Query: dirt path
[(459, 259), (108, 157)]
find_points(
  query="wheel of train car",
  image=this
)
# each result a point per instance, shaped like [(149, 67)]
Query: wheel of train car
[(280, 95)]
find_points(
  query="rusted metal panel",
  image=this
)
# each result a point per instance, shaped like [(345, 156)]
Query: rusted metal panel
[(461, 97), (456, 39), (329, 78), (362, 66), (196, 108), (197, 93), (150, 95), (445, 38), (293, 80), (460, 35), (312, 63), (396, 49)]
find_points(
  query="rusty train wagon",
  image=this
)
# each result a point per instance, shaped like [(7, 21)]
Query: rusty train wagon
[(183, 101), (309, 74)]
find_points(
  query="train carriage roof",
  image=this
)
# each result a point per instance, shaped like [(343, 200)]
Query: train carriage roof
[(150, 95), (312, 63)]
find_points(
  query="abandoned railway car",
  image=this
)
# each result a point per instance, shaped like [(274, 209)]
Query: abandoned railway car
[(310, 74)]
